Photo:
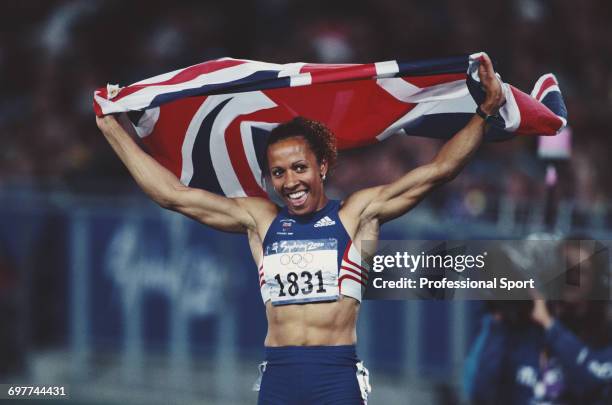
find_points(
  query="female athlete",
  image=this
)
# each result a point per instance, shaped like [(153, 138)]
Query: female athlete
[(308, 252)]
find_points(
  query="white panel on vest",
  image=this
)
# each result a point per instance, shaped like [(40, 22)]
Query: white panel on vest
[(301, 271)]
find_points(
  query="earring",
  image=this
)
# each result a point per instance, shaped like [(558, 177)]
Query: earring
[(322, 176)]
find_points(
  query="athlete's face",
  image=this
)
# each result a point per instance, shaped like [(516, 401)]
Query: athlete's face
[(296, 175)]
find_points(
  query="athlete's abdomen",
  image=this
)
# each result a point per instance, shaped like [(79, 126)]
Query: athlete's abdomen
[(317, 324)]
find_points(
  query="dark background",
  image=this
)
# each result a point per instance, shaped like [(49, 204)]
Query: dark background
[(64, 196)]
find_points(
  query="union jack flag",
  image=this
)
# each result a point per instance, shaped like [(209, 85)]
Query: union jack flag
[(208, 123)]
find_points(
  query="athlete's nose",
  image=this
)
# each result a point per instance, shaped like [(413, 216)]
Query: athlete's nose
[(291, 180)]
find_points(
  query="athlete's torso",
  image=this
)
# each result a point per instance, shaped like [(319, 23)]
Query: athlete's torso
[(313, 279)]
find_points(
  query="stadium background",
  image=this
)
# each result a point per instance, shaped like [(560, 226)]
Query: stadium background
[(102, 290)]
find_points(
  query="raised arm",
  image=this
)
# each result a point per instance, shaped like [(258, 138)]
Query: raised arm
[(222, 213), (390, 201)]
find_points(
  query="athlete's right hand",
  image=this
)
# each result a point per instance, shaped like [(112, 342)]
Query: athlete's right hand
[(106, 122)]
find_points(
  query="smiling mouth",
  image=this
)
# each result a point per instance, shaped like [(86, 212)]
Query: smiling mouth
[(297, 198)]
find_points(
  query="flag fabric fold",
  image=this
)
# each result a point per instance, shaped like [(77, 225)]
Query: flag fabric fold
[(209, 123)]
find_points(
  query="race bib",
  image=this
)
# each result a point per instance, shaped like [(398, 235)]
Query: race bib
[(300, 271)]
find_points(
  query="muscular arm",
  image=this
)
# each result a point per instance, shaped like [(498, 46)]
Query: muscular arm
[(222, 213), (390, 201)]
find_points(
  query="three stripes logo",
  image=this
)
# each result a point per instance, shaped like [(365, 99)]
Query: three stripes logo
[(325, 221)]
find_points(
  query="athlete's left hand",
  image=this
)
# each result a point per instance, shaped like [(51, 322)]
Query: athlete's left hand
[(491, 85)]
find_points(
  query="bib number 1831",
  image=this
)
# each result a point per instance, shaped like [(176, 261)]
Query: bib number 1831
[(303, 283)]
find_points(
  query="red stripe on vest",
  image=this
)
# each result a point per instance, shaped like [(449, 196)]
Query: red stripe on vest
[(363, 276), (341, 279)]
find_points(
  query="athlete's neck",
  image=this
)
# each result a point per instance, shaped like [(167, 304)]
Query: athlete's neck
[(320, 205)]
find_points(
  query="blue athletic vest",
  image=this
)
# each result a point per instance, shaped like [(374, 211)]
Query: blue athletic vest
[(289, 238)]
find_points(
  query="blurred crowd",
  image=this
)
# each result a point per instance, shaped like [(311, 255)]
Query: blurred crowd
[(54, 53)]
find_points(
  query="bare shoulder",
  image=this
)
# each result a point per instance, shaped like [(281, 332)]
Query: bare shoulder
[(258, 205), (262, 210), (354, 208), (357, 203)]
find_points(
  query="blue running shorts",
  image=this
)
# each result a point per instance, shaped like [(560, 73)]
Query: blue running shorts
[(312, 375)]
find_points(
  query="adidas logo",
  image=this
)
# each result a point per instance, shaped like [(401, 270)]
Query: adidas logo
[(325, 221)]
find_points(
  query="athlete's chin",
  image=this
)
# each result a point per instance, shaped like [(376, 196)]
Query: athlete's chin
[(302, 208)]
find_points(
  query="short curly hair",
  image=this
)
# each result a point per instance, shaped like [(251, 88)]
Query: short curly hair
[(320, 139)]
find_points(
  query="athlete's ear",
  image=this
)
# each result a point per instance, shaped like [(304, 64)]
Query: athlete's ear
[(323, 169)]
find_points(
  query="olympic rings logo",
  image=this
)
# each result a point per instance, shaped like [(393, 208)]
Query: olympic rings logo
[(301, 260)]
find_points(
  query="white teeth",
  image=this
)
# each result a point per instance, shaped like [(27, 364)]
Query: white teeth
[(297, 194)]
